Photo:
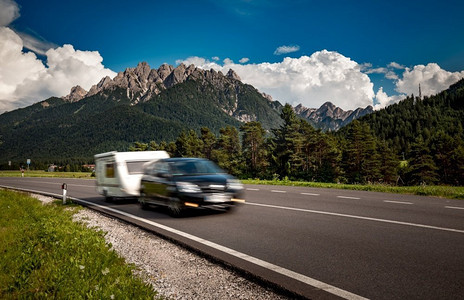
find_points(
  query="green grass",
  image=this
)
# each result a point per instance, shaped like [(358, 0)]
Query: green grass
[(451, 192), (46, 174), (44, 254)]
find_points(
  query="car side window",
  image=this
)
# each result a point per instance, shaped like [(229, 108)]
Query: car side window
[(160, 168)]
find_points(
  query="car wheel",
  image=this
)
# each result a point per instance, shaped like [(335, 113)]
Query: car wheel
[(175, 208), (142, 201)]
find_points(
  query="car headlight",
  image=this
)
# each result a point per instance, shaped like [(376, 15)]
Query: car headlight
[(187, 187), (234, 184)]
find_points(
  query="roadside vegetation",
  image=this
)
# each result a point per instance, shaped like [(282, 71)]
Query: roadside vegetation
[(451, 192), (44, 254)]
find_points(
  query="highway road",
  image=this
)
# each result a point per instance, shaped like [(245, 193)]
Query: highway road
[(319, 243)]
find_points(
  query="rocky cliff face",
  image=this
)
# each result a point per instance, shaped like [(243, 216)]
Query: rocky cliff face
[(141, 83), (330, 117)]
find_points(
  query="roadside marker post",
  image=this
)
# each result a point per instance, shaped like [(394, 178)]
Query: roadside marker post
[(64, 187)]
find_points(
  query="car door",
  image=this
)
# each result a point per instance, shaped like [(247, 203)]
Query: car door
[(157, 184)]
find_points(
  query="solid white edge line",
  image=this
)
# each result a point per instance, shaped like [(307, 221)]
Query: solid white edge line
[(286, 272), (397, 202), (346, 197), (454, 207), (358, 217)]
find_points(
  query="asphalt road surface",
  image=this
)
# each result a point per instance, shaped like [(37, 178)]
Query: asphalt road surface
[(319, 243)]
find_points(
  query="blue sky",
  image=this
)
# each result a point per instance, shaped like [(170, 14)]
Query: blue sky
[(369, 52)]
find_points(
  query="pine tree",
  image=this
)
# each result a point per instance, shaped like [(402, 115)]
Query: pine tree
[(253, 147), (209, 140), (422, 167), (227, 153), (188, 144)]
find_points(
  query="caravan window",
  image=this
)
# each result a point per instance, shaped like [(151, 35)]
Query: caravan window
[(135, 167), (110, 170)]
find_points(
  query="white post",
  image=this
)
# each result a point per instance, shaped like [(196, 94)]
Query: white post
[(64, 186)]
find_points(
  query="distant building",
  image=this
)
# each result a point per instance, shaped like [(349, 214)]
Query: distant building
[(90, 167)]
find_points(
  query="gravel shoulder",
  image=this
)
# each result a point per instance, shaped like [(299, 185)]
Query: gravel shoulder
[(173, 271)]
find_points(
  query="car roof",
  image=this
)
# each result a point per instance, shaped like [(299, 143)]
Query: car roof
[(177, 159)]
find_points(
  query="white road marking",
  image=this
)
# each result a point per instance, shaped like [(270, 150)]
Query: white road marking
[(277, 191), (397, 202), (251, 189), (454, 207), (358, 217), (346, 197), (310, 194)]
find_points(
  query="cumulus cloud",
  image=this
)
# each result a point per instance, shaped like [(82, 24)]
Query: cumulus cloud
[(310, 80), (383, 100), (431, 77), (244, 60), (9, 11), (286, 49), (24, 79)]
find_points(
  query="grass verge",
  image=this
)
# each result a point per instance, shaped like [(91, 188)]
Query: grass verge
[(451, 192), (44, 254), (46, 174)]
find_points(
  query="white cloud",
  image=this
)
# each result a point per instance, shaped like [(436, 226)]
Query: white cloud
[(310, 80), (9, 11), (396, 65), (377, 71), (431, 77), (391, 75), (383, 100), (216, 58), (244, 60), (286, 49), (24, 79), (38, 46)]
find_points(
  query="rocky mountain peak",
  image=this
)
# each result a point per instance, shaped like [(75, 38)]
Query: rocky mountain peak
[(76, 94), (142, 83), (329, 116), (231, 74)]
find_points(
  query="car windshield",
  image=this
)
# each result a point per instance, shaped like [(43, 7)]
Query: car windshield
[(194, 167)]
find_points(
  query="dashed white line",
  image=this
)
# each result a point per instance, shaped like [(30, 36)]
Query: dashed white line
[(310, 194), (358, 217), (277, 191), (454, 207), (251, 189), (346, 197), (397, 202)]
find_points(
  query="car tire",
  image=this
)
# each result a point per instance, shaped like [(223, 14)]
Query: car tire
[(175, 208)]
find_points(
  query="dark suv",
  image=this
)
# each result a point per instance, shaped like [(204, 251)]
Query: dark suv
[(181, 183)]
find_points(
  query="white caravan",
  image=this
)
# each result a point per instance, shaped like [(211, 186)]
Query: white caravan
[(119, 173)]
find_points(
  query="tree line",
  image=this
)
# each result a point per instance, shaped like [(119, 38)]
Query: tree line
[(297, 151)]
